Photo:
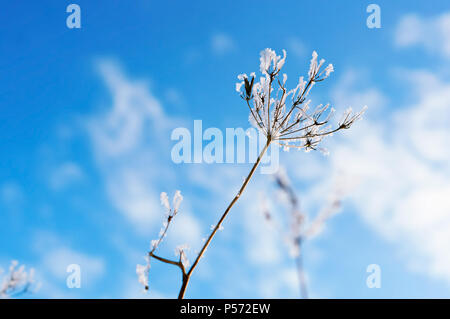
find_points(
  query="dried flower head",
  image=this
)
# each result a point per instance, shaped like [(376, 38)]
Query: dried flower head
[(285, 116)]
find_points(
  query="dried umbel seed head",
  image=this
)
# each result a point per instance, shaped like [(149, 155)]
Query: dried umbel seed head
[(285, 116)]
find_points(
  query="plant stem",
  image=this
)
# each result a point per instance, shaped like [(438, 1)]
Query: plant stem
[(301, 276), (187, 276)]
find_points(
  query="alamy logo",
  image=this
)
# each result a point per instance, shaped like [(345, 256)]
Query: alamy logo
[(374, 19), (73, 20), (235, 145), (374, 279), (74, 278)]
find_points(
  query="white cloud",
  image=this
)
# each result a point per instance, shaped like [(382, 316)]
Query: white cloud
[(65, 174), (174, 96), (55, 256), (120, 129), (351, 82), (222, 43), (402, 164), (185, 230), (133, 195), (296, 47), (123, 149), (11, 193), (56, 261), (262, 241), (129, 138), (431, 33), (280, 284)]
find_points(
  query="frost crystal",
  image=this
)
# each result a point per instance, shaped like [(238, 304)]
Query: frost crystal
[(142, 272), (165, 200), (177, 199)]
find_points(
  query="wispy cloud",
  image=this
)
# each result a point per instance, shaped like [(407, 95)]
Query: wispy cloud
[(432, 33), (128, 138), (55, 255), (127, 159), (352, 91), (11, 193), (401, 163), (56, 261), (65, 174), (222, 43), (119, 130), (174, 96), (296, 47)]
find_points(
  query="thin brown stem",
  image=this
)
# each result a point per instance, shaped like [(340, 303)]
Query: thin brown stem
[(304, 128), (299, 101), (279, 107), (309, 135), (268, 106), (167, 261), (188, 275), (254, 116)]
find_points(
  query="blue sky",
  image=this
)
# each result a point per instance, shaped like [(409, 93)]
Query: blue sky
[(85, 123)]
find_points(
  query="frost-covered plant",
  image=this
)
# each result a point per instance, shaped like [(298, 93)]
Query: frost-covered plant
[(300, 229), (17, 281), (284, 117), (171, 211)]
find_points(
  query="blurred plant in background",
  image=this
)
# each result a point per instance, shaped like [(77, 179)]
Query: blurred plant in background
[(298, 228), (17, 281)]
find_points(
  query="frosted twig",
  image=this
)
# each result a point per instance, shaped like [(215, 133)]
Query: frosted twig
[(143, 270)]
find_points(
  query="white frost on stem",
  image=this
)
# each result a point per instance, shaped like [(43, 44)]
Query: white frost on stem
[(142, 271), (171, 211), (165, 200)]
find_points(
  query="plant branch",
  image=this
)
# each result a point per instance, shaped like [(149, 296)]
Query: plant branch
[(187, 277), (301, 275), (168, 261)]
